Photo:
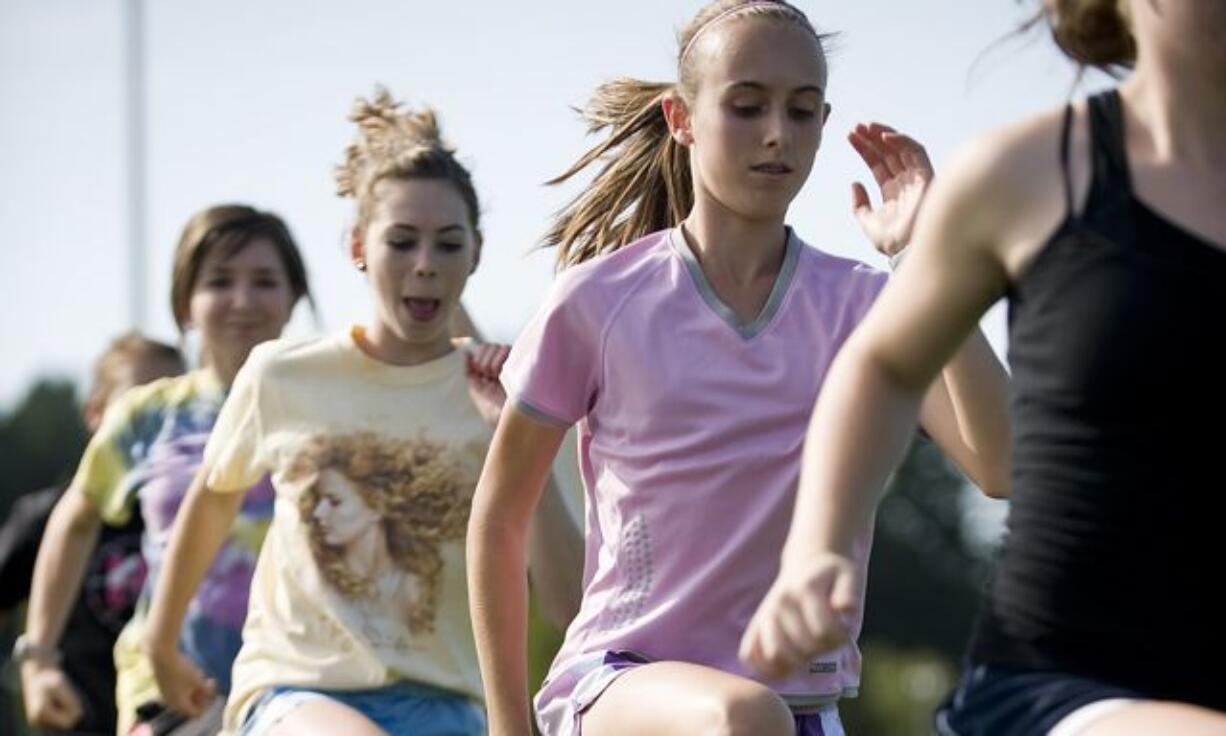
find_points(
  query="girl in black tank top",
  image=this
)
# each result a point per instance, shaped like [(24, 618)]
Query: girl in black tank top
[(1110, 566), (1106, 612)]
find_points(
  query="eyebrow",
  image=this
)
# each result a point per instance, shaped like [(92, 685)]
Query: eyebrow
[(444, 229), (759, 87), (223, 268)]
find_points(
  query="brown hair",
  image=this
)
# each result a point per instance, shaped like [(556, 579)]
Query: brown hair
[(396, 144), (415, 488), (128, 349), (1094, 33), (645, 184), (230, 227)]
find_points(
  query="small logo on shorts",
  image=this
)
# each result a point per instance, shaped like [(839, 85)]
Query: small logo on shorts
[(823, 668)]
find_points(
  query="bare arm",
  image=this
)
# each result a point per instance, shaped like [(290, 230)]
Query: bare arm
[(511, 484), (966, 412), (69, 540), (555, 557), (969, 235), (199, 530)]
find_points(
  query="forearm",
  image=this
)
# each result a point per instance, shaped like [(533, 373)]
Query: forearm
[(498, 601), (977, 388), (69, 540), (555, 558), (860, 429), (199, 530)]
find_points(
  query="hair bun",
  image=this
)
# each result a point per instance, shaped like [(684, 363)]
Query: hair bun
[(1093, 32), (385, 131)]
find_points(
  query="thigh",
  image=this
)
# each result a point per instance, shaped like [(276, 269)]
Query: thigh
[(321, 716), (665, 698), (1154, 717)]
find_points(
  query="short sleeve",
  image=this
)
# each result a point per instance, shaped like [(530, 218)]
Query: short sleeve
[(870, 282), (233, 453), (111, 455), (552, 372)]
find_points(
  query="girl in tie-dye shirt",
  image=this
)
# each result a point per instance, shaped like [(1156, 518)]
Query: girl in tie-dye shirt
[(237, 276)]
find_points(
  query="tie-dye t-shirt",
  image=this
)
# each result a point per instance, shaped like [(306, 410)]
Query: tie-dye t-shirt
[(142, 460), (361, 582)]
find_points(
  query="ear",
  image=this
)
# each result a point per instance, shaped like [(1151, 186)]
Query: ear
[(92, 412), (357, 248), (478, 241), (677, 115), (826, 108)]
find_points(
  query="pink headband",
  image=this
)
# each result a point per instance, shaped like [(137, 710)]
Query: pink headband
[(737, 10)]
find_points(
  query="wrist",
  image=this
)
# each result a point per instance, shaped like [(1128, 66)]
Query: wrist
[(28, 651), (157, 647)]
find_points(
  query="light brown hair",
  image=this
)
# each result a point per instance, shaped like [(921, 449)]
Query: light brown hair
[(1095, 33), (230, 228), (645, 183), (399, 144), (130, 348), (415, 489)]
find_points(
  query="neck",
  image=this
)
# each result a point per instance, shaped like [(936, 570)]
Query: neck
[(729, 245), (223, 367), (385, 346), (1182, 111), (367, 555)]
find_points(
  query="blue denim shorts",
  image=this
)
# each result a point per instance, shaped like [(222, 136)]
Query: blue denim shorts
[(992, 701), (401, 708)]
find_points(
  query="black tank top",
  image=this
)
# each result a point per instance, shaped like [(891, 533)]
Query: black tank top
[(1114, 559)]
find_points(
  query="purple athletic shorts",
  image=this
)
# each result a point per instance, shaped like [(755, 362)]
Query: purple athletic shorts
[(593, 674)]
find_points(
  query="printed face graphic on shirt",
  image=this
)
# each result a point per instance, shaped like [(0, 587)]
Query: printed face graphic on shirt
[(375, 512), (341, 514)]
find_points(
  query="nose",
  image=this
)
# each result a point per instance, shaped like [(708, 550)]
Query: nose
[(777, 130), (424, 264), (244, 295)]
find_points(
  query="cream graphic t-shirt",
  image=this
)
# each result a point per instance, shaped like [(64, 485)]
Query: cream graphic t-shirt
[(361, 581)]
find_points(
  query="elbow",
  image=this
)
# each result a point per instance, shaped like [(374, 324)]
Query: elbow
[(994, 478), (998, 488), (491, 539), (993, 461)]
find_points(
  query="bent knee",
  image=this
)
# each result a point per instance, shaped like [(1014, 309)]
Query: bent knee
[(748, 710)]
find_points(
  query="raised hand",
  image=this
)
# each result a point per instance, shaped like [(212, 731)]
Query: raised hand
[(183, 687), (805, 613), (484, 362), (50, 699), (902, 170)]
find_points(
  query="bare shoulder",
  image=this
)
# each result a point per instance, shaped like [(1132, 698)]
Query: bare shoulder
[(1005, 191)]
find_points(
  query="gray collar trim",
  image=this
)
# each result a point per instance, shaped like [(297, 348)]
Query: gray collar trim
[(791, 258)]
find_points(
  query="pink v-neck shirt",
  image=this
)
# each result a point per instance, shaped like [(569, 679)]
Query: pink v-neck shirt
[(691, 431)]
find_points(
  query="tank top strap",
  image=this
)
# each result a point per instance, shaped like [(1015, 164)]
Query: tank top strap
[(1066, 131), (1109, 209), (1111, 187)]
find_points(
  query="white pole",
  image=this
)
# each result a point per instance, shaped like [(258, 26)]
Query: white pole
[(134, 58)]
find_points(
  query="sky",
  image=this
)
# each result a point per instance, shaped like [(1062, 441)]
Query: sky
[(247, 102)]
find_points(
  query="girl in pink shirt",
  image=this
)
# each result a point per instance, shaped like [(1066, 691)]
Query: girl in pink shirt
[(688, 337)]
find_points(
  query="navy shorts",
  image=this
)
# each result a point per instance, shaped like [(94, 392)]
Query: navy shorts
[(991, 701)]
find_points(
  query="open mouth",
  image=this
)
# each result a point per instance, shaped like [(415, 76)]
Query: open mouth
[(422, 310)]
